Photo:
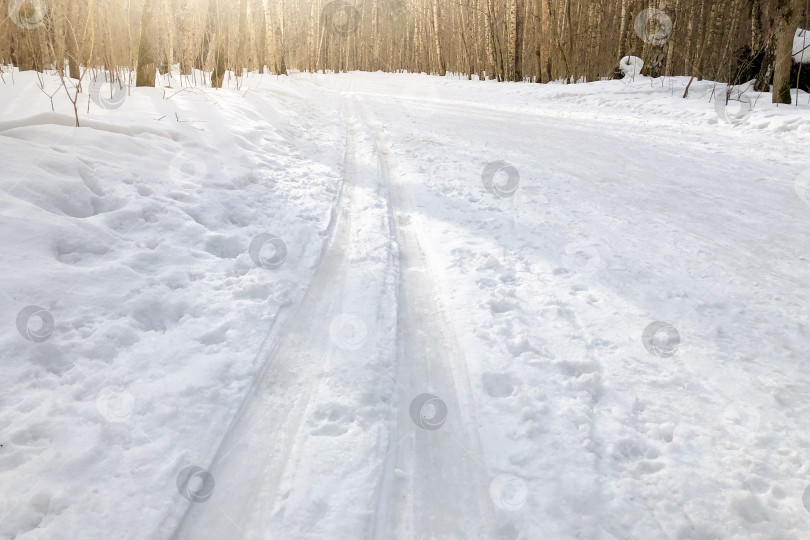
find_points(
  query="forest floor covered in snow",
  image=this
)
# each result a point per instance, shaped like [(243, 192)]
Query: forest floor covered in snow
[(375, 305)]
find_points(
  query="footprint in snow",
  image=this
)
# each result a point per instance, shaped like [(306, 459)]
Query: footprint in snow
[(330, 420)]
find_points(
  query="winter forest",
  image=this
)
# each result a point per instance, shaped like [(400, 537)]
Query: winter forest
[(404, 269), (514, 40)]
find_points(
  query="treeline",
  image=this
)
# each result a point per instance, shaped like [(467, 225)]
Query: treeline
[(514, 40)]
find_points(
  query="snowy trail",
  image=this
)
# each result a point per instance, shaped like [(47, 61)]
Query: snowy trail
[(439, 355), (440, 484), (426, 476), (298, 429), (472, 500), (599, 241), (412, 454)]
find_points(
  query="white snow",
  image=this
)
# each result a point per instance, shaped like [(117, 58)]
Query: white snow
[(631, 66), (801, 47), (401, 306)]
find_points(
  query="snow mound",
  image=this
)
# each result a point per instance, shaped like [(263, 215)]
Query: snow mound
[(132, 302), (801, 47), (631, 66)]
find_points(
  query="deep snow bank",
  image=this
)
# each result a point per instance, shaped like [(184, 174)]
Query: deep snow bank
[(132, 235)]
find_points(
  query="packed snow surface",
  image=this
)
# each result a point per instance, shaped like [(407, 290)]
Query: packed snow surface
[(400, 306)]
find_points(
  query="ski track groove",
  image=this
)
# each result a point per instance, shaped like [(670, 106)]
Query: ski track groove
[(257, 399), (449, 460), (445, 494)]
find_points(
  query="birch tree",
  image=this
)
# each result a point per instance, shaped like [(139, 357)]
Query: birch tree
[(515, 40)]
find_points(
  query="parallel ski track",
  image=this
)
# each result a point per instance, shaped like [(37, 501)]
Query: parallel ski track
[(445, 492), (432, 483)]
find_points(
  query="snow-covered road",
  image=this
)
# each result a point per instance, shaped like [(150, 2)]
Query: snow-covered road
[(399, 306), (370, 335)]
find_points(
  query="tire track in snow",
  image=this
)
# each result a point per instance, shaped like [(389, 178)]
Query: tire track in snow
[(599, 429), (292, 463), (435, 482), (579, 390)]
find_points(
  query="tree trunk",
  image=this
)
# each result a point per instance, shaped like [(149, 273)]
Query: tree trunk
[(622, 30), (437, 41), (280, 42), (671, 44), (218, 73), (208, 35), (786, 23), (71, 44), (492, 41), (711, 25), (171, 34), (145, 75), (269, 38), (244, 39), (517, 67), (542, 37)]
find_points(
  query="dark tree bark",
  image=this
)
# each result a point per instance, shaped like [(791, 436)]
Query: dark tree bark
[(145, 75), (786, 23)]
